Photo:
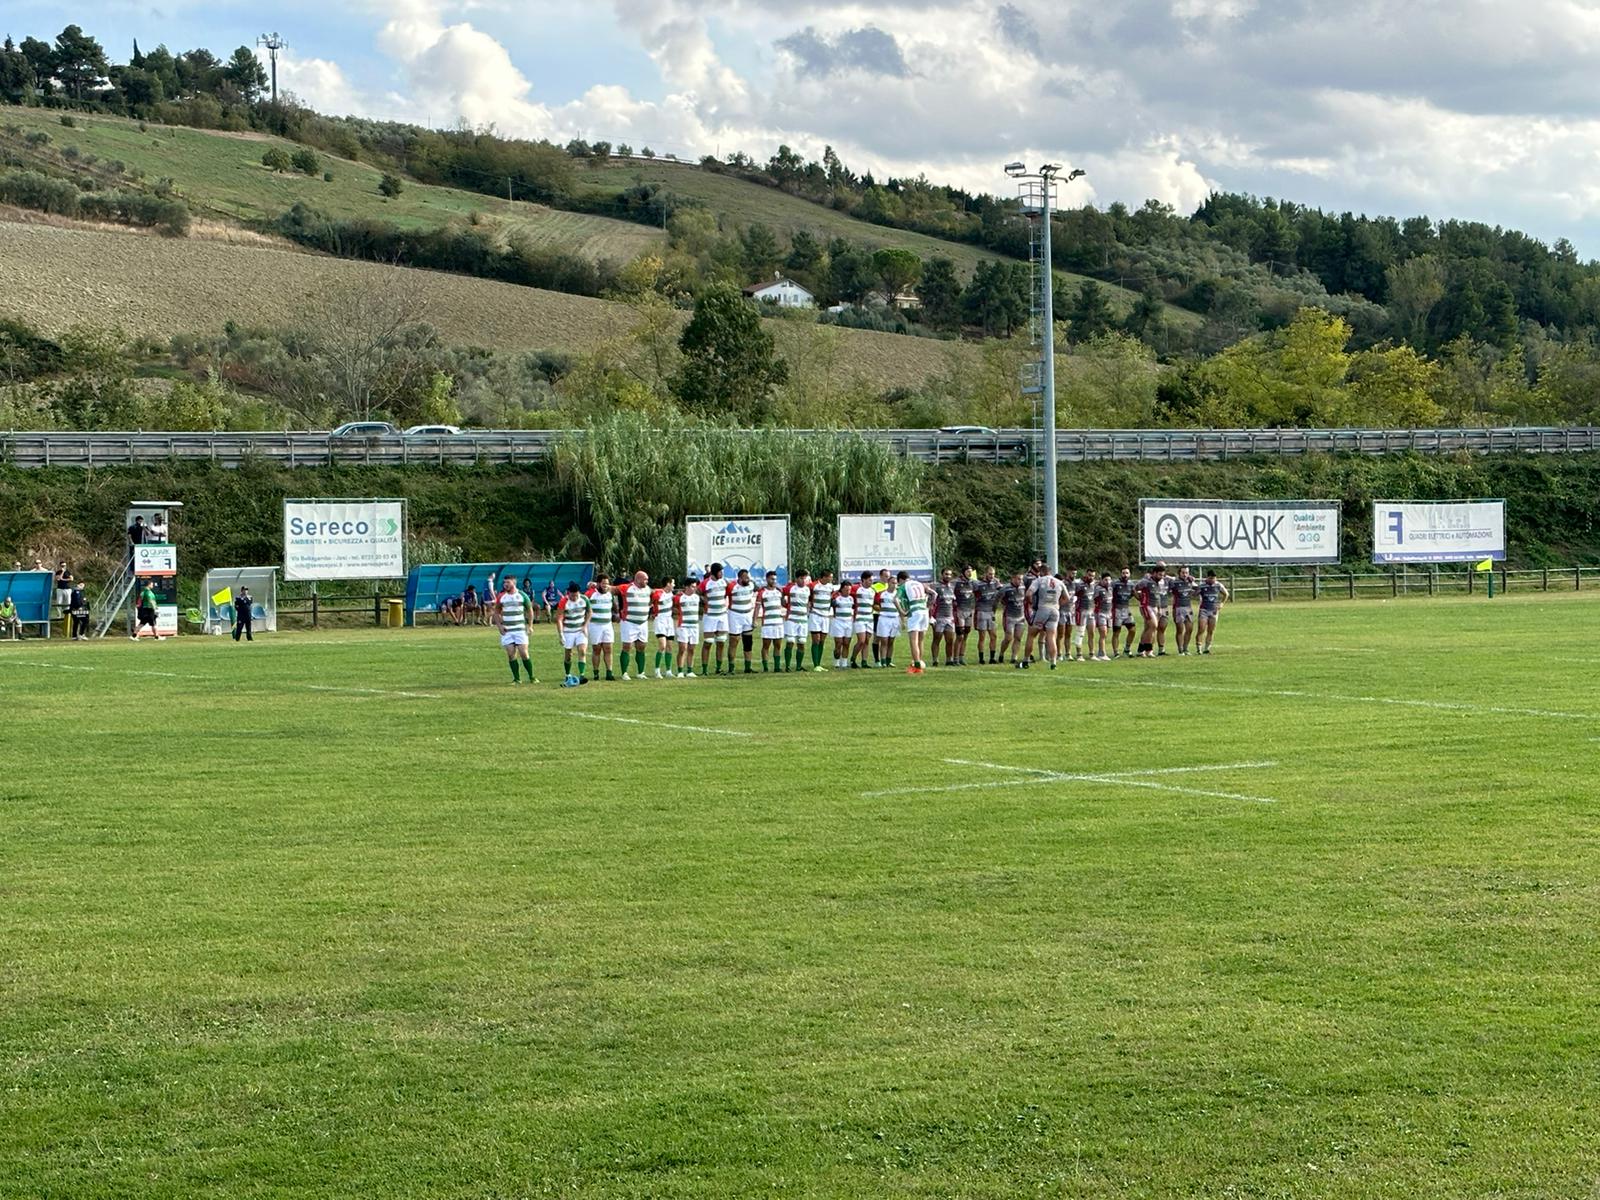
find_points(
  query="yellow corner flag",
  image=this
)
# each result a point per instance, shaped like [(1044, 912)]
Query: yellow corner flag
[(225, 596), (1486, 565)]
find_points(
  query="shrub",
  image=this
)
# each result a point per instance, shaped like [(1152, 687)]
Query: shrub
[(390, 185), (305, 161), (29, 189), (70, 153), (116, 166), (277, 159), (69, 122), (38, 138), (327, 177), (143, 127)]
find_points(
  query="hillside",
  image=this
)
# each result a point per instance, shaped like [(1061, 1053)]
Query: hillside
[(742, 203), (57, 277), (219, 174)]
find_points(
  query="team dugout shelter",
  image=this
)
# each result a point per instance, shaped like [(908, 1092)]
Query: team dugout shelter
[(428, 585), (32, 592)]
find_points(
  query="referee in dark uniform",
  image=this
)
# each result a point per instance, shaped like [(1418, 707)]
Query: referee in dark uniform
[(243, 615)]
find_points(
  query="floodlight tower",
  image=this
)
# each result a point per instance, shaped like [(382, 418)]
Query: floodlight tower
[(272, 43), (1037, 190)]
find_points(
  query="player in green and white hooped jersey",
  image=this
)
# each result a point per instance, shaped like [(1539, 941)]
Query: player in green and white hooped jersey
[(769, 612), (822, 594), (889, 609), (714, 620), (913, 599), (742, 617), (633, 599), (602, 603), (511, 618), (664, 624), (796, 621), (864, 597), (572, 617), (686, 605)]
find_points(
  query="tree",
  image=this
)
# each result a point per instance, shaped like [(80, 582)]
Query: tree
[(1090, 312), (16, 74), (198, 71), (1147, 319), (760, 249), (997, 297), (390, 185), (305, 161), (600, 151), (160, 63), (805, 254), (647, 153), (141, 90), (899, 269), (277, 159), (941, 295), (624, 150), (852, 275), (729, 368), (41, 61), (80, 61), (1415, 286), (245, 72)]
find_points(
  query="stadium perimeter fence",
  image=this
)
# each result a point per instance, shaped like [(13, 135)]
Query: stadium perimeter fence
[(1402, 581)]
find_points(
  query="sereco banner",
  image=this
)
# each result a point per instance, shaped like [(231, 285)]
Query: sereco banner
[(1240, 531), (759, 544), (896, 541), (344, 539), (1452, 531)]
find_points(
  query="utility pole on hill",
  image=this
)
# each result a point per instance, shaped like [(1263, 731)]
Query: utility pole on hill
[(272, 43)]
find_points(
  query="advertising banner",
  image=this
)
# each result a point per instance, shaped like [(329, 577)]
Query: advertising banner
[(1240, 531), (155, 565), (1405, 531), (344, 539), (893, 541), (760, 544)]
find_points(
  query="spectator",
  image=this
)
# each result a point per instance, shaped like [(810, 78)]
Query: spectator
[(16, 564), (63, 585), (78, 610), (243, 615), (469, 604), (10, 623), (551, 597), (490, 598), (138, 535)]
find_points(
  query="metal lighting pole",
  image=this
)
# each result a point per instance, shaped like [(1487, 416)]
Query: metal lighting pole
[(1046, 179)]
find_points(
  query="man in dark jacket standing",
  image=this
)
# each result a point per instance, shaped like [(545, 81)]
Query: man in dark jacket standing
[(243, 615), (78, 610)]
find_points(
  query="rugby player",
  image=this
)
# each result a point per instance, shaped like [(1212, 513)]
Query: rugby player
[(1045, 604), (634, 600), (573, 621), (887, 608), (864, 597), (741, 617), (686, 605), (664, 626), (840, 627), (965, 606), (943, 606), (511, 618), (601, 636), (1014, 612), (985, 594), (822, 593), (1213, 595), (1182, 593), (1080, 588), (1150, 591), (769, 611), (1122, 612), (913, 598), (1102, 616), (796, 621), (1163, 583), (714, 622)]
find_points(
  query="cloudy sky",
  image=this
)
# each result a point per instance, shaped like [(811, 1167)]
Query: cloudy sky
[(1488, 109)]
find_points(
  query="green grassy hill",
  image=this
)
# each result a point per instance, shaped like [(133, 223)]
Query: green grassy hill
[(745, 203), (220, 175)]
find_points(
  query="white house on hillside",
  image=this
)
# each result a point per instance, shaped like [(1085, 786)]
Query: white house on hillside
[(783, 292)]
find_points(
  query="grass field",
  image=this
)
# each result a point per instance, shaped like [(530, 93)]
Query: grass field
[(743, 203), (220, 175), (55, 278), (345, 914)]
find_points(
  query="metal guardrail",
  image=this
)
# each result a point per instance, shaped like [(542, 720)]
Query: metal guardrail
[(491, 447)]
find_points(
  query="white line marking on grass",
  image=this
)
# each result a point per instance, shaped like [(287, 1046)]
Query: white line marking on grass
[(361, 691), (660, 724), (1345, 698), (313, 687), (1138, 779)]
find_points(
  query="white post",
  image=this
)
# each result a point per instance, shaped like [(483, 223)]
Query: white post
[(1051, 533)]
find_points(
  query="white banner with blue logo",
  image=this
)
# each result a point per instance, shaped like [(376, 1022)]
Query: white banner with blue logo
[(344, 539), (1202, 532), (1405, 531), (757, 544), (886, 541)]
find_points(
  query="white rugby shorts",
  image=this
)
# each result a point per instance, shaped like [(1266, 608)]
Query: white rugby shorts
[(741, 622), (795, 631), (888, 625), (514, 637), (601, 633), (715, 624), (771, 633), (818, 622), (574, 639), (689, 635), (841, 627), (632, 633), (916, 621)]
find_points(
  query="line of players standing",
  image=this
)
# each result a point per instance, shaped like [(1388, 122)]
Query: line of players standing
[(1034, 617)]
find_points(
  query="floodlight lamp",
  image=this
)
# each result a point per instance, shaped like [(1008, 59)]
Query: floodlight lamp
[(1077, 173), (1015, 168)]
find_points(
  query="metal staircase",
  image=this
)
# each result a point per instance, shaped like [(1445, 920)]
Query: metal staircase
[(113, 600)]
